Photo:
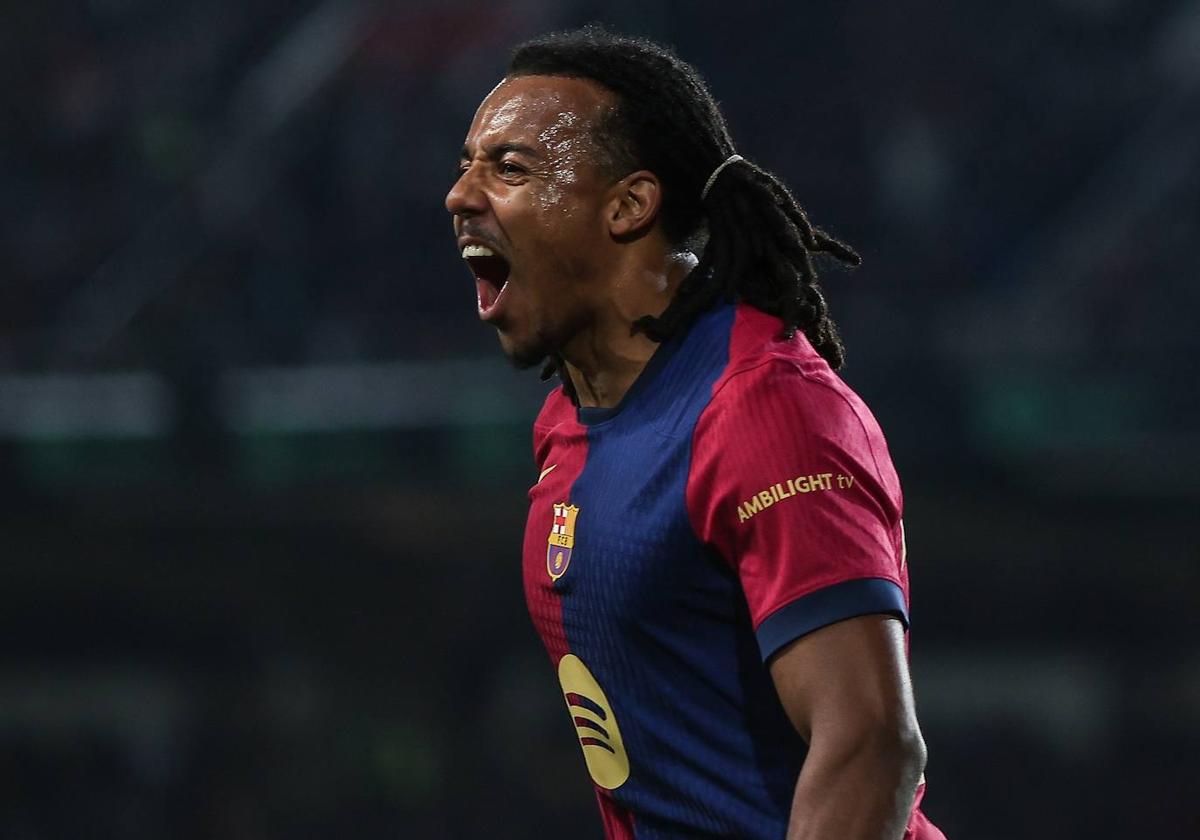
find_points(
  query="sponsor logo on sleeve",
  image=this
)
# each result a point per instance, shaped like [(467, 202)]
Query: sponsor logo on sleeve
[(800, 485)]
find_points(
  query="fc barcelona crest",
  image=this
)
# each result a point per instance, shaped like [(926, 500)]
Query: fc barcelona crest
[(562, 539)]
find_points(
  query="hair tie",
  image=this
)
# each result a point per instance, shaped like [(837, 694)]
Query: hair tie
[(713, 177)]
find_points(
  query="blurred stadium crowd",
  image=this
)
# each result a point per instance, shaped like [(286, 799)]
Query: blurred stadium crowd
[(263, 473)]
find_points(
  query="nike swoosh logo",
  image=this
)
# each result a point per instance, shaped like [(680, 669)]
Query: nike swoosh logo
[(546, 472)]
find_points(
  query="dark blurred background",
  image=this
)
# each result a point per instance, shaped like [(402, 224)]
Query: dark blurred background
[(262, 471)]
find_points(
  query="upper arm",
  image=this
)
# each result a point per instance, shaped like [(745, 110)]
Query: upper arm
[(847, 679)]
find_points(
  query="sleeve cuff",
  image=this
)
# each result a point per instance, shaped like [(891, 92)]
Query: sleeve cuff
[(829, 605)]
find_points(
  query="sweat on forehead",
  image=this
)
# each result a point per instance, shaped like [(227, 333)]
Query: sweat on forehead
[(540, 110)]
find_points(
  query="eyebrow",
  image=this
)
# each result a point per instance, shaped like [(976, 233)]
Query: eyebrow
[(499, 150)]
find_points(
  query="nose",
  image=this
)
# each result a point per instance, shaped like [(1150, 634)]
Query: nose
[(465, 197)]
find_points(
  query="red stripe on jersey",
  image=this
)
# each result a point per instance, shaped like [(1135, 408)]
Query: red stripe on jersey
[(618, 822), (919, 827), (554, 487)]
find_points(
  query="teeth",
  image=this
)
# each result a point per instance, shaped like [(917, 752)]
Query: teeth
[(477, 251)]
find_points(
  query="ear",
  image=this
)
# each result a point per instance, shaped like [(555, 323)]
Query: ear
[(634, 205)]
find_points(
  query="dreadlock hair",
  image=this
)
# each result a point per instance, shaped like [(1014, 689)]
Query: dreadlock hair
[(757, 241)]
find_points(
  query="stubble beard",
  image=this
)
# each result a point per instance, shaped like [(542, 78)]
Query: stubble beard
[(551, 333), (526, 355)]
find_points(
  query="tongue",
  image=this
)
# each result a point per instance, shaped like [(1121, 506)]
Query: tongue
[(491, 273), (487, 293)]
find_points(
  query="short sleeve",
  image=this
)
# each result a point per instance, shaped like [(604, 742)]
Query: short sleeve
[(791, 482)]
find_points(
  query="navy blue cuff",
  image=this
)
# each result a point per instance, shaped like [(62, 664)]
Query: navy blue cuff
[(815, 610)]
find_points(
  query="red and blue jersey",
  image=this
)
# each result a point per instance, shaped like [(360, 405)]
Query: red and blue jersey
[(739, 497)]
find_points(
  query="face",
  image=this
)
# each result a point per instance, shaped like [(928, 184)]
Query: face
[(529, 211)]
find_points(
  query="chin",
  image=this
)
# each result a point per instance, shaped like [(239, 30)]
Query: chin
[(523, 355)]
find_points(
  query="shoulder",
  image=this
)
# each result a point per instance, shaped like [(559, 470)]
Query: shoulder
[(788, 392), (764, 365), (781, 409)]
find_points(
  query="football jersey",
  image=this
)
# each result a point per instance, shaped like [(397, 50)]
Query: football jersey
[(738, 497)]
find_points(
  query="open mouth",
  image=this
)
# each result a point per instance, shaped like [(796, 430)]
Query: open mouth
[(491, 275)]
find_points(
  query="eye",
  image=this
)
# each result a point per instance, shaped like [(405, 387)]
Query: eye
[(509, 168)]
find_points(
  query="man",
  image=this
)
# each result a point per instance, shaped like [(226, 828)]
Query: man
[(714, 555)]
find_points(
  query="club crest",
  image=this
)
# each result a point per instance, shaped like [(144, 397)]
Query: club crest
[(561, 540)]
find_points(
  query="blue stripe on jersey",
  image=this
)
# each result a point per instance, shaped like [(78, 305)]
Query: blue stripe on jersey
[(834, 603), (662, 622)]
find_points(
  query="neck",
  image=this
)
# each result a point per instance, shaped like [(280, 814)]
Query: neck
[(605, 360)]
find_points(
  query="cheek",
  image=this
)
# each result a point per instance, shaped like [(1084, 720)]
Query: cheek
[(566, 169), (563, 259), (549, 243), (557, 194), (558, 234), (568, 223)]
